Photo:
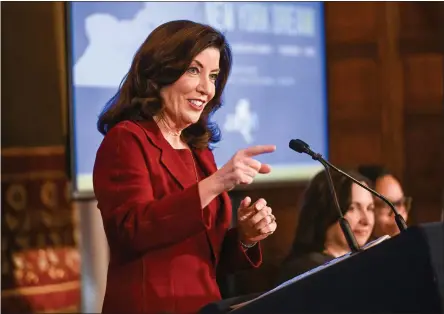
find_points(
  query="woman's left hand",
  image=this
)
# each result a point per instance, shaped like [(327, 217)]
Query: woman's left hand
[(255, 222)]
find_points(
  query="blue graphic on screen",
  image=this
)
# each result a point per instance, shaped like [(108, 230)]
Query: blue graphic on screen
[(276, 91)]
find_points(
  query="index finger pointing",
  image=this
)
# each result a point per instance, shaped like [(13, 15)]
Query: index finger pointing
[(259, 149)]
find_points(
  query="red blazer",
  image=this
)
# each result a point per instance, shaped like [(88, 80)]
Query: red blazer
[(164, 248)]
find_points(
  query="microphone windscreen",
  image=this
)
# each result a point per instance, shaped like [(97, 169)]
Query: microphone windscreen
[(298, 145)]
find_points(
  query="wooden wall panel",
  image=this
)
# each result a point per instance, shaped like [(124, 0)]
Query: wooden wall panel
[(424, 119), (391, 86), (354, 110), (357, 147), (424, 174), (422, 54), (351, 22), (352, 86), (424, 83), (353, 83), (31, 94), (421, 20)]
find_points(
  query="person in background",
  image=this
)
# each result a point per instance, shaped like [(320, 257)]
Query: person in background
[(388, 186), (319, 237), (164, 204)]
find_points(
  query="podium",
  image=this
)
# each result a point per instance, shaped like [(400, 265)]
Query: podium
[(404, 274)]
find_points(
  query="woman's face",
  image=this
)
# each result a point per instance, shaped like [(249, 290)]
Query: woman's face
[(385, 223), (360, 216), (185, 99)]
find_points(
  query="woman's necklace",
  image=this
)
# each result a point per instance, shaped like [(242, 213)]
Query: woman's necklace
[(194, 164)]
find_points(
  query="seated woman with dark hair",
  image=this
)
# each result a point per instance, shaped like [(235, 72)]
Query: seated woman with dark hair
[(388, 186), (319, 237)]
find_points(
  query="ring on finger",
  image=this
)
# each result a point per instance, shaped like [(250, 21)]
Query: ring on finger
[(273, 218)]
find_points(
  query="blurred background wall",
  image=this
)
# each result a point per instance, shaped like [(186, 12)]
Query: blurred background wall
[(385, 94)]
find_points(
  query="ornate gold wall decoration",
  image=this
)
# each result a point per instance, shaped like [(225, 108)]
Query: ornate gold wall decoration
[(40, 260), (16, 196), (48, 194), (12, 221)]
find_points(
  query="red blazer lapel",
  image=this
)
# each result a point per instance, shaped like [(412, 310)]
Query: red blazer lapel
[(168, 157), (174, 164)]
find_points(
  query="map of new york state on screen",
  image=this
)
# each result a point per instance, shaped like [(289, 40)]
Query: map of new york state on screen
[(276, 91)]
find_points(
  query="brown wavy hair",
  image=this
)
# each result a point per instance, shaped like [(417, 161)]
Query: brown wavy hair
[(318, 211), (160, 61)]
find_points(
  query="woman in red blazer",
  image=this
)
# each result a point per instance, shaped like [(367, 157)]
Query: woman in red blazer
[(164, 204)]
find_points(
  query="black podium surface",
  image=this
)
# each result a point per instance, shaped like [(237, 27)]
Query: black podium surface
[(404, 274)]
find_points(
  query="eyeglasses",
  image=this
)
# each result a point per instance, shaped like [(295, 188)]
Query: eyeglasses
[(404, 203)]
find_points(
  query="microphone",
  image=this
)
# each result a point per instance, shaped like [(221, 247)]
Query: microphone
[(345, 226), (302, 147)]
